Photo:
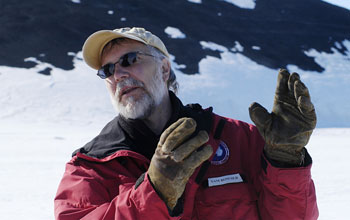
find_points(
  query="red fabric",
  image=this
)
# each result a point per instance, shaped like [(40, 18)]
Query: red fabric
[(105, 189)]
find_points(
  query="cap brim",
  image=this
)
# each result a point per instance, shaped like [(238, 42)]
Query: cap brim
[(95, 43)]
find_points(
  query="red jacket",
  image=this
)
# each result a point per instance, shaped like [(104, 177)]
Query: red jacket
[(114, 187)]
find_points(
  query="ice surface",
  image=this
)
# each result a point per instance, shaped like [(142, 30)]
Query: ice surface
[(33, 158)]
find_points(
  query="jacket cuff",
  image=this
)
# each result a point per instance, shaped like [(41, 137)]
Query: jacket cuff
[(178, 209), (292, 176), (307, 161), (148, 200)]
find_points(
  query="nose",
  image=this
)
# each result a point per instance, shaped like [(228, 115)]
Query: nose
[(120, 73)]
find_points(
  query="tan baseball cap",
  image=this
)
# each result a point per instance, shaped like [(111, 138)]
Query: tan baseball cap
[(95, 43)]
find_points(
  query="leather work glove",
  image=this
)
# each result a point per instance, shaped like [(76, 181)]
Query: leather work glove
[(287, 129), (176, 158)]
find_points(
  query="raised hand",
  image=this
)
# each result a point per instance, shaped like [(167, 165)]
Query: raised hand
[(287, 129), (176, 158)]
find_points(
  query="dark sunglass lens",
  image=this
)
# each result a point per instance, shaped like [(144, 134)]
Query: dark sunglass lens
[(128, 59), (132, 58), (109, 70), (106, 71), (101, 73)]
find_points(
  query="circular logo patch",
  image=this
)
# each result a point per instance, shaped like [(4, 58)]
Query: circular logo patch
[(221, 155)]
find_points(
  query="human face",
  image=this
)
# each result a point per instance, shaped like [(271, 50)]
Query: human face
[(135, 90)]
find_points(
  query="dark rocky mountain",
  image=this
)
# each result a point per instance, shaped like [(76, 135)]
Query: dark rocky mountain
[(48, 30)]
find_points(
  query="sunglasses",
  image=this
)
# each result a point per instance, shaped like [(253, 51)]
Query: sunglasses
[(124, 61)]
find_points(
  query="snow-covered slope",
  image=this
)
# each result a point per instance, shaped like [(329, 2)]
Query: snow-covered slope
[(44, 117), (229, 84)]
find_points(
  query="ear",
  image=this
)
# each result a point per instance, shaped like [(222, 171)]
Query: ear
[(166, 67)]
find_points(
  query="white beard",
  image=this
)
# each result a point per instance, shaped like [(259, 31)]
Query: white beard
[(145, 105)]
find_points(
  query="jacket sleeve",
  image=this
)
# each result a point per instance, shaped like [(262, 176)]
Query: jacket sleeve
[(283, 193), (286, 193), (83, 195)]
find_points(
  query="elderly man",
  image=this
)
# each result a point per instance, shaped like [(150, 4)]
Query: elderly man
[(159, 159)]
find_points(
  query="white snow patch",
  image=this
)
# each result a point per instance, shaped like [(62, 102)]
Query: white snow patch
[(212, 46), (331, 60), (39, 66), (64, 96), (32, 59), (195, 1), (238, 47), (232, 83), (76, 1), (122, 19), (340, 3), (330, 90), (337, 45), (110, 12), (229, 84), (246, 4), (175, 65), (174, 33), (71, 54), (256, 48)]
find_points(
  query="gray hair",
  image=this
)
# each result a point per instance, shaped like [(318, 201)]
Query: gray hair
[(172, 84)]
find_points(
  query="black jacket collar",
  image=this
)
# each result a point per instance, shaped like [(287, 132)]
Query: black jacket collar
[(134, 135)]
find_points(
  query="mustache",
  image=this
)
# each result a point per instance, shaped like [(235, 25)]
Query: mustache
[(127, 82)]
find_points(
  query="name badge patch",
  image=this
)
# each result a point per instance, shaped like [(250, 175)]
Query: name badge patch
[(222, 180)]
